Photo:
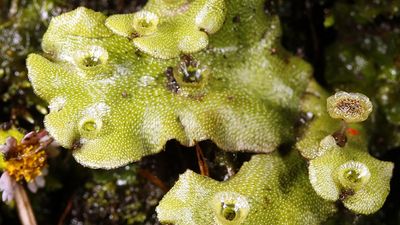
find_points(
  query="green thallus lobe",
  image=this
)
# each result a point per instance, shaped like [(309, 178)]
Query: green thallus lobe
[(342, 172), (119, 87)]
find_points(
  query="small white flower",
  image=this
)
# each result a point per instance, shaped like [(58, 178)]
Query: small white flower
[(7, 186), (38, 182)]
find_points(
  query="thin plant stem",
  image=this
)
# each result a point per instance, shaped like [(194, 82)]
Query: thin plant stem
[(25, 212), (153, 179), (343, 127), (202, 161)]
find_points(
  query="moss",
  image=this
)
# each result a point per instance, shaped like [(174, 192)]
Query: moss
[(365, 58), (267, 189), (20, 35), (166, 29), (243, 102), (117, 196), (120, 86), (342, 172)]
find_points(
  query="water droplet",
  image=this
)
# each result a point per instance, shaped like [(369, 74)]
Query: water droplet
[(145, 23), (91, 61), (92, 119), (89, 126), (230, 208), (91, 57), (228, 211), (353, 175)]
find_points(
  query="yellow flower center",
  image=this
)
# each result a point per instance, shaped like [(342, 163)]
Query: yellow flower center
[(26, 163)]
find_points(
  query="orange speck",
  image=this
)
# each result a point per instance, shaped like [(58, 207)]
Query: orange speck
[(353, 131)]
